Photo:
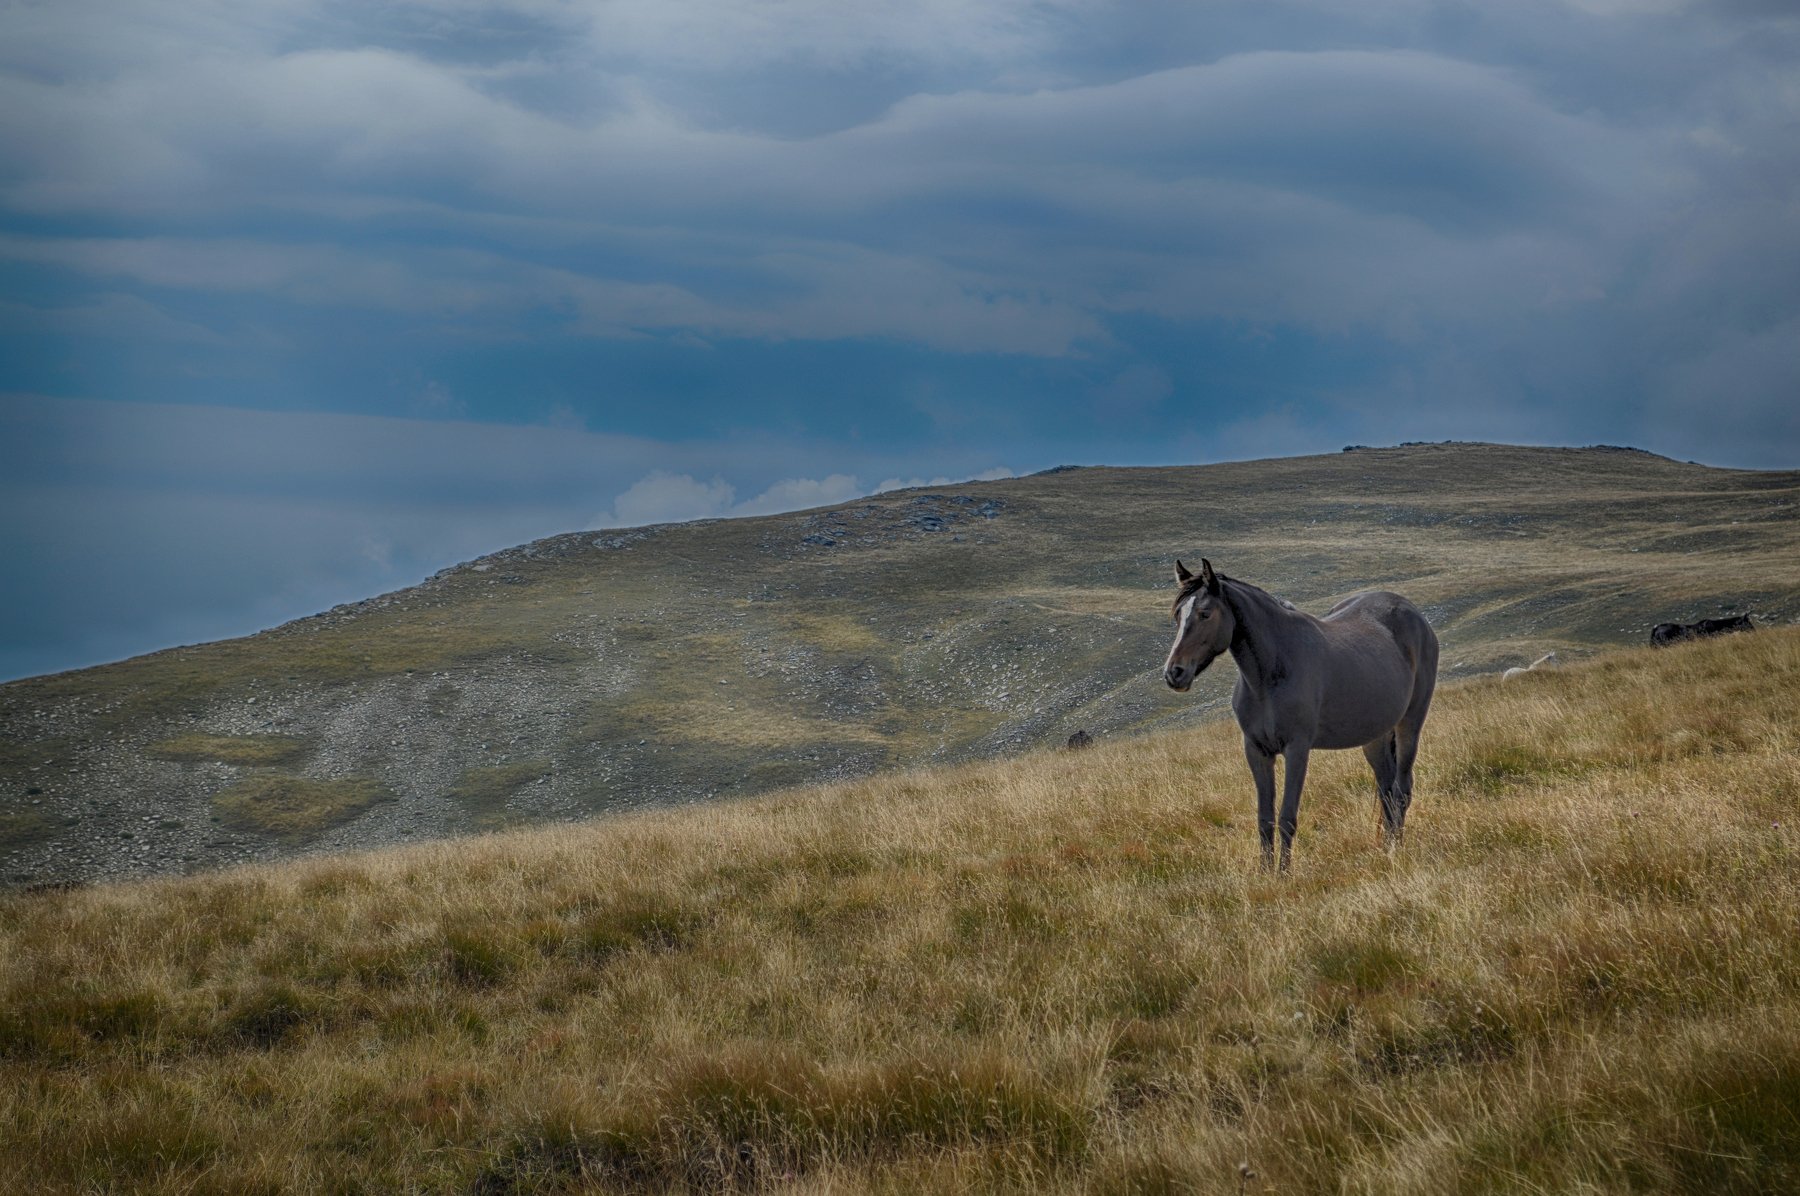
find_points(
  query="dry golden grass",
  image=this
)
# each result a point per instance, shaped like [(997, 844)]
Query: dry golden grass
[(835, 632), (1061, 973)]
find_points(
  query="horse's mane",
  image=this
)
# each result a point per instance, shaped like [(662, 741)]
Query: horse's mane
[(1194, 585)]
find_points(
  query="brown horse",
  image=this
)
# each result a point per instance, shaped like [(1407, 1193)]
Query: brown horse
[(1362, 676)]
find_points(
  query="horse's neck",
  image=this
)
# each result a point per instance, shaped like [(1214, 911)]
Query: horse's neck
[(1257, 645)]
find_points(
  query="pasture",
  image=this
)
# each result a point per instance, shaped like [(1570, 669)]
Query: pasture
[(602, 673), (1058, 973)]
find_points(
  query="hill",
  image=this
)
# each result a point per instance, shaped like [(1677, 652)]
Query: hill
[(1058, 973), (606, 671)]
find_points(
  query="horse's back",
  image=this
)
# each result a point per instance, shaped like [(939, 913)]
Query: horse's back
[(1381, 667), (1395, 613)]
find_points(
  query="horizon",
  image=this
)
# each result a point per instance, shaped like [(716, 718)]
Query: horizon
[(911, 484), (299, 300)]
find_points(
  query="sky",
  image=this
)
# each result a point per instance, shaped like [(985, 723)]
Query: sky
[(302, 300)]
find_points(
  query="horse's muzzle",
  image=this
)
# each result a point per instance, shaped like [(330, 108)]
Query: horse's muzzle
[(1180, 679)]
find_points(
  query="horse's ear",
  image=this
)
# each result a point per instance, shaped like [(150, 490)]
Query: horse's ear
[(1181, 573), (1208, 578)]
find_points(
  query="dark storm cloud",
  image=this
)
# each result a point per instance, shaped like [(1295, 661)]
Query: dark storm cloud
[(1324, 188)]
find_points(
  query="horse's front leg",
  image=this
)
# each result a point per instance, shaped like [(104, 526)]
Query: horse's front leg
[(1292, 781), (1262, 771)]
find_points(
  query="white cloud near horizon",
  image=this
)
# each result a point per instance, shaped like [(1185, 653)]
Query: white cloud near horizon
[(986, 475)]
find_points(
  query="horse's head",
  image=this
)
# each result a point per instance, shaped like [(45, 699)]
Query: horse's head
[(1204, 625)]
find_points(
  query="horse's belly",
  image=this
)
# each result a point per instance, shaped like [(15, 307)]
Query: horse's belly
[(1354, 715), (1355, 733)]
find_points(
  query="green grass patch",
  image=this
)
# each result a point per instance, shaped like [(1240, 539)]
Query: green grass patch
[(295, 809), (482, 793), (1740, 1124), (1494, 770), (18, 756), (1362, 966), (638, 920), (268, 1015), (743, 1121), (250, 750), (25, 828)]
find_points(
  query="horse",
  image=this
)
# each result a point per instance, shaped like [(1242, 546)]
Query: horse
[(1548, 658), (1362, 676), (1664, 634)]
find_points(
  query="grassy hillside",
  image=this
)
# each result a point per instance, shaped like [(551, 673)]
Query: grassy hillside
[(613, 670), (1059, 973)]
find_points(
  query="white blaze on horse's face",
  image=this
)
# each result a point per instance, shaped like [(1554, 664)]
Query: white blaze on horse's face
[(1203, 627)]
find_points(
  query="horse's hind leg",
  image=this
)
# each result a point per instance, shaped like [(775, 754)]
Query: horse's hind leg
[(1406, 738), (1382, 758), (1406, 751)]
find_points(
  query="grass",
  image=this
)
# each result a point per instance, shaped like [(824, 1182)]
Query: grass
[(1060, 973), (296, 809), (253, 750), (25, 826), (483, 793)]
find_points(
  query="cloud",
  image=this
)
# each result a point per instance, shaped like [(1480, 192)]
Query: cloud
[(727, 33), (793, 494), (1136, 389), (671, 498), (896, 483), (106, 316), (979, 221), (434, 400), (1753, 375), (1024, 180)]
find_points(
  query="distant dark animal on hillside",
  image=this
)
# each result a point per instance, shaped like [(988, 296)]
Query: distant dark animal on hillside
[(1362, 676), (1664, 634), (1080, 740)]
